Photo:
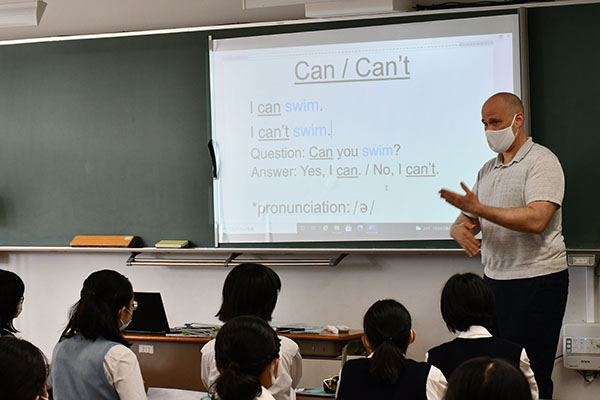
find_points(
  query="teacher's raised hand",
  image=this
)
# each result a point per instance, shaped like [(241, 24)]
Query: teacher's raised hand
[(467, 202)]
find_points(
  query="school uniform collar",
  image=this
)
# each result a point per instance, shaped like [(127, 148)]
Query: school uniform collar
[(475, 332), (265, 394), (521, 153)]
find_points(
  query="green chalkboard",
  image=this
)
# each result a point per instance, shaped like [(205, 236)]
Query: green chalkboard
[(105, 136), (564, 62), (108, 136)]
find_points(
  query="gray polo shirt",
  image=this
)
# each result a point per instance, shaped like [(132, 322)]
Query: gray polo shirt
[(534, 174)]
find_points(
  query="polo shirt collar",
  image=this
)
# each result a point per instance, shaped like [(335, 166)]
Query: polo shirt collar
[(521, 153)]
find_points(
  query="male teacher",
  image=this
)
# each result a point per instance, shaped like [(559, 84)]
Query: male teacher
[(515, 203)]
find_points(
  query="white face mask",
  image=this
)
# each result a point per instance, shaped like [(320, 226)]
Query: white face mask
[(501, 140), (124, 325)]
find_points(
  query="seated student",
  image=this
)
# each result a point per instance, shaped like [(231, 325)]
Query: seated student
[(387, 373), (247, 355), (11, 301), (22, 370), (92, 360), (467, 305), (484, 378), (252, 289)]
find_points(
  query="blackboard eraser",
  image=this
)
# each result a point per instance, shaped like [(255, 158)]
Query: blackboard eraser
[(172, 244), (102, 241)]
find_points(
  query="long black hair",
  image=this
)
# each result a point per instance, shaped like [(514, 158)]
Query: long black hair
[(249, 289), (387, 326), (11, 293), (484, 378), (466, 301), (22, 369), (245, 346), (103, 294)]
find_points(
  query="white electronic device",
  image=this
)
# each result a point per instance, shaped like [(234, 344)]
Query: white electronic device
[(581, 346)]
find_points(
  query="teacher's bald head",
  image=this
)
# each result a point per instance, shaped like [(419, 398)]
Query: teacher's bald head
[(508, 102)]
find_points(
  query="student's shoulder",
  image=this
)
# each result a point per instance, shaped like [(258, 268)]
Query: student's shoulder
[(288, 346), (358, 364), (119, 353), (208, 348), (442, 347), (424, 365), (506, 343), (120, 350)]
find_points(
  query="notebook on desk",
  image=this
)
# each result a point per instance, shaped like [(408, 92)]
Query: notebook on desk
[(150, 316)]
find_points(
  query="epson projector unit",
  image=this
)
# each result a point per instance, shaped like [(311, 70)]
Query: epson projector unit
[(581, 346)]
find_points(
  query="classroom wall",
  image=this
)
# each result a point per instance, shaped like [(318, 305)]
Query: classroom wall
[(312, 295)]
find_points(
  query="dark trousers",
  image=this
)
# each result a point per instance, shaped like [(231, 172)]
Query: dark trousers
[(529, 312)]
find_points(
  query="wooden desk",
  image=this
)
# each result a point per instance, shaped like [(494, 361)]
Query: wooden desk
[(175, 361)]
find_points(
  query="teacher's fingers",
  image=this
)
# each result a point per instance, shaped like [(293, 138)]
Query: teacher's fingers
[(444, 192), (469, 226), (473, 252), (468, 242), (471, 248), (465, 188), (453, 199), (448, 195)]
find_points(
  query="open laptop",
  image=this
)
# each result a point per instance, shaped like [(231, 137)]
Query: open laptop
[(150, 316)]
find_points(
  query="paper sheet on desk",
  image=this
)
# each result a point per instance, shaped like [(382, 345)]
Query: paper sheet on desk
[(174, 394), (297, 328)]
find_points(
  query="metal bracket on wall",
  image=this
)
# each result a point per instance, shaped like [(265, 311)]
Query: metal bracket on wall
[(235, 259)]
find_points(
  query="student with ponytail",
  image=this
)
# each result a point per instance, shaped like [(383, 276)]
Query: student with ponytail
[(92, 360), (247, 356), (387, 373), (252, 289)]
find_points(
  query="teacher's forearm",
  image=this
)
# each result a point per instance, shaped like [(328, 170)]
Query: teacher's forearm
[(530, 219)]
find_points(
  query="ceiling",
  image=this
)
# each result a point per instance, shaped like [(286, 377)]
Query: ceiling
[(75, 17)]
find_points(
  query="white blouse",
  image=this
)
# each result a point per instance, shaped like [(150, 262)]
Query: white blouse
[(123, 372)]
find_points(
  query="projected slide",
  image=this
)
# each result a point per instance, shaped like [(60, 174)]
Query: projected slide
[(349, 134)]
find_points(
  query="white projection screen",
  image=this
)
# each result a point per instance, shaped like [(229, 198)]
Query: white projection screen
[(349, 134)]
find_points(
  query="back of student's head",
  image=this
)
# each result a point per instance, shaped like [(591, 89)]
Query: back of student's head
[(484, 378), (95, 315), (11, 294), (466, 301), (249, 289), (245, 346), (387, 326), (22, 370)]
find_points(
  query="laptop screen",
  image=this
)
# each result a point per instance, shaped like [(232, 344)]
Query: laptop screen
[(150, 316)]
